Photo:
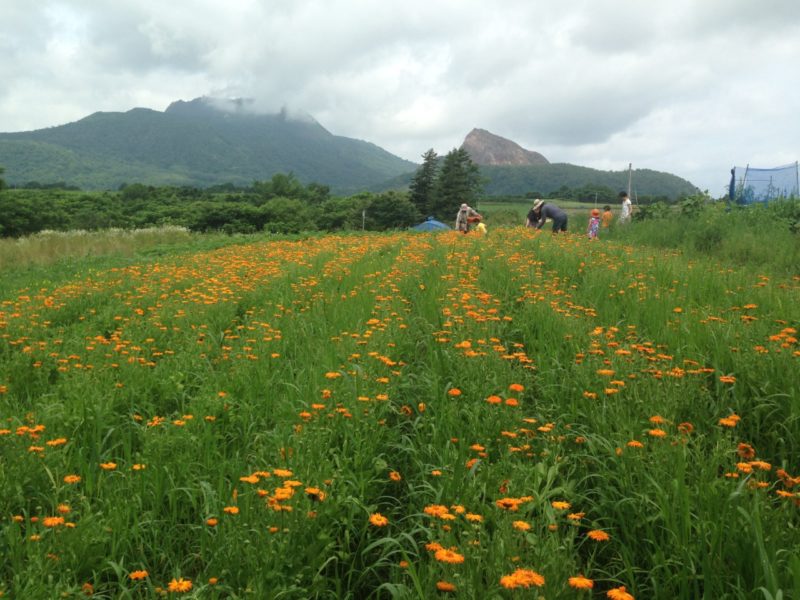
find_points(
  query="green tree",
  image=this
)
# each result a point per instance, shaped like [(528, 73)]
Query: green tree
[(2, 181), (287, 215), (391, 210), (423, 184), (459, 181)]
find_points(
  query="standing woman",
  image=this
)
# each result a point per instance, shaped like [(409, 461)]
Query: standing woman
[(465, 216), (625, 214), (541, 212)]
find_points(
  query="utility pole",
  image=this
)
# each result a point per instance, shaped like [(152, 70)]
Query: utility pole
[(630, 177)]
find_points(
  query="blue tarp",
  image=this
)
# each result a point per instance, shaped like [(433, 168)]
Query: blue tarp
[(430, 225)]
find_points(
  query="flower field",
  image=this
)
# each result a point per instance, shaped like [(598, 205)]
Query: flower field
[(402, 416)]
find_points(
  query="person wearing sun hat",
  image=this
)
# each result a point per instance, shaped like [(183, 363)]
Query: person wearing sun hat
[(465, 216), (594, 224), (542, 211)]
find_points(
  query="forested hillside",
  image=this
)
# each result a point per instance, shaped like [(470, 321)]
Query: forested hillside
[(193, 143)]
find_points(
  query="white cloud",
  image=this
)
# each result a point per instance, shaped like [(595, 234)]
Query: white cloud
[(690, 87)]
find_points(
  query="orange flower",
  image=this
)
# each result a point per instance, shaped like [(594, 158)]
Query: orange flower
[(449, 556), (598, 535), (473, 518), (521, 525), (212, 522), (516, 387), (660, 433), (522, 578), (445, 586), (378, 520), (581, 583), (494, 400), (454, 392), (231, 510), (53, 521), (560, 505), (136, 575), (619, 593), (395, 476), (315, 494), (727, 379), (745, 451), (72, 478), (635, 444), (180, 585), (109, 466)]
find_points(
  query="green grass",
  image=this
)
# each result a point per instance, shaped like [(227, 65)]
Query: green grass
[(519, 365)]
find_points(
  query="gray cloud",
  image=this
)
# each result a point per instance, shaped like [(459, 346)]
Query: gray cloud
[(686, 86)]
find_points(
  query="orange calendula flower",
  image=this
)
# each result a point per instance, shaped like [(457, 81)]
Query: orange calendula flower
[(108, 466), (635, 444), (727, 379), (521, 525), (180, 585), (231, 510), (53, 521), (378, 520), (560, 505), (516, 387), (660, 433), (445, 586), (522, 578), (212, 522), (137, 575), (730, 421), (598, 535), (745, 451), (72, 478), (619, 593), (449, 556), (395, 476), (454, 392), (581, 583), (473, 518)]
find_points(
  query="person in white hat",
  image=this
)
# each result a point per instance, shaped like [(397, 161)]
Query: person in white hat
[(538, 215), (465, 216)]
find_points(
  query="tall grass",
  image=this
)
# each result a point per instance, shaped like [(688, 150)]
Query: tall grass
[(48, 247), (239, 416)]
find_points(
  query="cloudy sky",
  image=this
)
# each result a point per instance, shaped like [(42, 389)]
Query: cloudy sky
[(687, 86)]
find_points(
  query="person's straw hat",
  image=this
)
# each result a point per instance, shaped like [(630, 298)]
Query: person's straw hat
[(464, 207), (537, 204)]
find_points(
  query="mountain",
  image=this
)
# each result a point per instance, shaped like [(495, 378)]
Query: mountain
[(200, 142), (488, 149), (508, 169)]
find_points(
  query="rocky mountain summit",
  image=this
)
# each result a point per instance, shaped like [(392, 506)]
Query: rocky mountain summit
[(486, 148)]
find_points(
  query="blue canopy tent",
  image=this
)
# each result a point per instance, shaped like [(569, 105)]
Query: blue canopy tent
[(431, 224)]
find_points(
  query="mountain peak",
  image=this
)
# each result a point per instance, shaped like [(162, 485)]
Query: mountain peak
[(486, 148)]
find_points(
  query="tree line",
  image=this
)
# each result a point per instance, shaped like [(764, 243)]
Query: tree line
[(281, 204)]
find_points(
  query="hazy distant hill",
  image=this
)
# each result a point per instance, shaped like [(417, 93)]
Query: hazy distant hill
[(511, 170), (486, 148), (194, 143), (546, 179)]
